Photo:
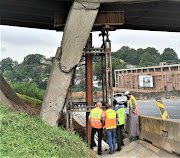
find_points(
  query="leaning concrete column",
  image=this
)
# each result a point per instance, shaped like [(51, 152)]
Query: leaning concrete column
[(77, 29)]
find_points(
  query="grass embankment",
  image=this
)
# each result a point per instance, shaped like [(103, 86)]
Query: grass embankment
[(25, 136), (36, 103)]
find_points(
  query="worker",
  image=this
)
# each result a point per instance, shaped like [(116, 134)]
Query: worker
[(133, 117), (110, 124), (96, 120), (121, 115)]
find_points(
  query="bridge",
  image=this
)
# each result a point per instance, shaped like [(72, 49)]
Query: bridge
[(77, 19), (155, 15)]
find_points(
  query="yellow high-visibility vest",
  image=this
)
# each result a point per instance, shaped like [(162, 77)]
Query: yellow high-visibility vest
[(96, 118), (121, 116), (110, 120), (130, 102)]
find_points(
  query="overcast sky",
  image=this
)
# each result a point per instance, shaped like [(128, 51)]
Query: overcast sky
[(18, 42)]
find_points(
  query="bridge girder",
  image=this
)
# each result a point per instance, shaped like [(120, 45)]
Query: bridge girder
[(155, 15)]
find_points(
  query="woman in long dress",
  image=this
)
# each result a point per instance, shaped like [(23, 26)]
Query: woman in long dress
[(133, 117)]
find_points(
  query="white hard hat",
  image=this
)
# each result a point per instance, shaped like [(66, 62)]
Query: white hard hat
[(127, 92)]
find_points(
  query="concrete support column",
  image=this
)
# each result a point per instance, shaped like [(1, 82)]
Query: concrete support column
[(115, 79), (56, 91), (78, 26), (169, 68)]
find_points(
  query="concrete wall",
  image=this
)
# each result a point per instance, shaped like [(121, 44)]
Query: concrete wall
[(163, 134), (152, 95)]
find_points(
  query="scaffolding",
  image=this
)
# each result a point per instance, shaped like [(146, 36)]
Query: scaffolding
[(74, 107)]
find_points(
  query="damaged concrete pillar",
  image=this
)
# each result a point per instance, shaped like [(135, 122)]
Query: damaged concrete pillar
[(9, 98), (77, 29)]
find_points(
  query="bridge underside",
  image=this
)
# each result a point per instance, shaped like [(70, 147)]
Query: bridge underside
[(77, 20), (156, 15)]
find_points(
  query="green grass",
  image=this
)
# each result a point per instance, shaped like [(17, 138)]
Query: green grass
[(25, 136), (36, 102)]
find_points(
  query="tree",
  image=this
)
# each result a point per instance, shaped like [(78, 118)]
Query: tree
[(51, 59), (46, 71), (116, 64), (97, 70), (151, 57), (124, 53), (10, 76), (149, 60), (139, 52), (129, 55), (169, 56), (7, 64), (32, 59)]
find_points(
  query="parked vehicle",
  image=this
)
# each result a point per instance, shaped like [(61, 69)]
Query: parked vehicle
[(120, 98)]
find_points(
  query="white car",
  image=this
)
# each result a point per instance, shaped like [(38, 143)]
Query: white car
[(120, 98)]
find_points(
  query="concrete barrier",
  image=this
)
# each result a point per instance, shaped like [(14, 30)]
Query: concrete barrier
[(164, 134)]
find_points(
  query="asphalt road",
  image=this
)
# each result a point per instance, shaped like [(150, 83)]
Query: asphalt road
[(150, 108)]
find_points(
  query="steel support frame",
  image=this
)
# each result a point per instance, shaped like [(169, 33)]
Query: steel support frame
[(69, 110), (89, 87), (111, 18), (108, 71), (106, 61)]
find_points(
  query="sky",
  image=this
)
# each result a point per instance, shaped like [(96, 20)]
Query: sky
[(18, 42)]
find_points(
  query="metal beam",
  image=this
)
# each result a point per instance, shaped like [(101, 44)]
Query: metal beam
[(89, 87)]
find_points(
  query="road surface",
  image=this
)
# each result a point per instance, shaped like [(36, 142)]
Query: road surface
[(150, 108)]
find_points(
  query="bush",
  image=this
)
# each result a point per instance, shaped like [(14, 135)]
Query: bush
[(29, 89)]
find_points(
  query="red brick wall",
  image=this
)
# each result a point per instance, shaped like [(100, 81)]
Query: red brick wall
[(169, 80)]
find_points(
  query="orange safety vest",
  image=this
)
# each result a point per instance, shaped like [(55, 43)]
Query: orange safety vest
[(96, 118), (110, 119), (130, 102)]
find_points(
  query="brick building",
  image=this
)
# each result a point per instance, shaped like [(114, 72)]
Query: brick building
[(148, 79)]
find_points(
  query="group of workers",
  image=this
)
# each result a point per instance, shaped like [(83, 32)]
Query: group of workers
[(113, 120)]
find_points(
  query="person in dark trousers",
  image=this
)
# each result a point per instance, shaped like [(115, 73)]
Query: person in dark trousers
[(121, 115), (97, 121)]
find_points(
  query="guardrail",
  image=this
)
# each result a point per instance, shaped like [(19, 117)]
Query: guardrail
[(81, 107)]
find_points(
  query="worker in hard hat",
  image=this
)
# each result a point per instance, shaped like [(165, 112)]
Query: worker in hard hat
[(133, 117), (110, 124), (96, 119), (121, 116)]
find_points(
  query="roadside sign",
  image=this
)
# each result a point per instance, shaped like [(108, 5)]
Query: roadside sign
[(162, 108)]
